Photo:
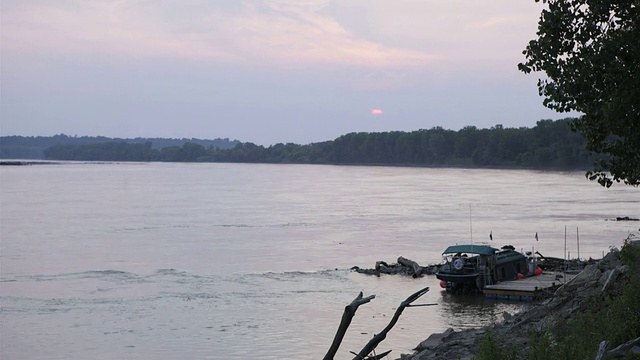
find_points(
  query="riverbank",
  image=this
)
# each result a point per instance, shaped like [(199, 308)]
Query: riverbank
[(26, 162), (521, 335)]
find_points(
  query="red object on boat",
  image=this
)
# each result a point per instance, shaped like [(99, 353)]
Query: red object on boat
[(443, 284), (519, 276), (537, 272)]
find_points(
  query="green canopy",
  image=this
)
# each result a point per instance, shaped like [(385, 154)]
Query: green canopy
[(471, 249)]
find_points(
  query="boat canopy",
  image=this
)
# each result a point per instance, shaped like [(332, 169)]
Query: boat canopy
[(471, 249)]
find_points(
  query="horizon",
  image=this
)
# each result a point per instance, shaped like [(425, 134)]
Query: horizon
[(267, 145), (265, 71)]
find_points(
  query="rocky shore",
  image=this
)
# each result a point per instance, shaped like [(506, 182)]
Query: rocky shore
[(604, 277)]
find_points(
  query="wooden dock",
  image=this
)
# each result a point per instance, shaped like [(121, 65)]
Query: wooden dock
[(527, 289)]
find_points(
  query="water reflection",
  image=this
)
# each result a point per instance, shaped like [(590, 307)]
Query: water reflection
[(467, 311)]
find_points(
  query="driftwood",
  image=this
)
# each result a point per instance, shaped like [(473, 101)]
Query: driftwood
[(618, 351), (626, 218), (417, 269), (349, 313), (377, 339), (602, 349), (404, 266), (380, 264), (622, 350), (374, 357)]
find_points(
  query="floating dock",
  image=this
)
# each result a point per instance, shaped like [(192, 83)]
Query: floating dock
[(527, 289)]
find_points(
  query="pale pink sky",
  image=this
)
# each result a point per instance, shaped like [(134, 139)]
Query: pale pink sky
[(264, 71)]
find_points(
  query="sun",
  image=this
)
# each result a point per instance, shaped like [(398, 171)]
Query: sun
[(377, 112)]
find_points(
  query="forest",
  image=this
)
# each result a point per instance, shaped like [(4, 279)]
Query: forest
[(32, 147), (549, 145)]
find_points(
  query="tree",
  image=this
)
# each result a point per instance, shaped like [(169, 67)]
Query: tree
[(590, 52)]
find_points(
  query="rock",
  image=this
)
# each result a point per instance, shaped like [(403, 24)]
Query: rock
[(433, 340), (506, 316), (610, 261), (587, 277), (455, 345)]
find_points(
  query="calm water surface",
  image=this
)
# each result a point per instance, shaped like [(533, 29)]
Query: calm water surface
[(239, 261)]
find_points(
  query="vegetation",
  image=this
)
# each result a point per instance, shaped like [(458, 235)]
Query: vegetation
[(550, 144), (590, 54), (490, 348), (32, 147), (614, 317)]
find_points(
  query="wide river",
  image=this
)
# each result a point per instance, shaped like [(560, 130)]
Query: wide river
[(246, 261)]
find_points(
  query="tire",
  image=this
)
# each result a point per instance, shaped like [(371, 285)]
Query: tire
[(458, 264)]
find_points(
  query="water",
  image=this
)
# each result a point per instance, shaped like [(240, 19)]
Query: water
[(242, 261)]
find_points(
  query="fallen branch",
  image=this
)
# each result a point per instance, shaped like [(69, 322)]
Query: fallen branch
[(375, 357), (602, 349), (417, 269), (622, 350), (349, 313), (380, 264), (377, 339)]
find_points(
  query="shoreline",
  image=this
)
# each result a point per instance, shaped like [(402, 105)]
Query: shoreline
[(601, 278)]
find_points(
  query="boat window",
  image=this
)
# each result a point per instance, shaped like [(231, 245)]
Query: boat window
[(503, 272)]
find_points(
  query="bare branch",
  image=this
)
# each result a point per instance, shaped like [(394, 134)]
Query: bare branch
[(373, 357), (622, 350), (377, 339), (347, 316)]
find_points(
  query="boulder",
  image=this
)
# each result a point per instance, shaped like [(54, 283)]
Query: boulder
[(433, 340)]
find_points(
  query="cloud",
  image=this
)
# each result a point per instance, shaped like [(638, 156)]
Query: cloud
[(459, 34), (117, 28), (368, 45), (269, 32)]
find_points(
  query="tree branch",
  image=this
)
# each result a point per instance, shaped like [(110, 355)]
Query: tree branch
[(377, 339), (347, 315)]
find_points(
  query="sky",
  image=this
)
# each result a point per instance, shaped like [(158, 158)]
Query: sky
[(264, 71)]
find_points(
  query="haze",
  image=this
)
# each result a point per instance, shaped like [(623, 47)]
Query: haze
[(264, 71)]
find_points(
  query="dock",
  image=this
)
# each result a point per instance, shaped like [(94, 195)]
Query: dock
[(528, 289)]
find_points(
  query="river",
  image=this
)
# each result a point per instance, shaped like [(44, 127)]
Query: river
[(243, 261)]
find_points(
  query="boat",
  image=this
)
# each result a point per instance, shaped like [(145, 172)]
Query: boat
[(469, 268)]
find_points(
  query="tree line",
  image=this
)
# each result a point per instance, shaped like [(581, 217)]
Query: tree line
[(32, 147), (550, 144)]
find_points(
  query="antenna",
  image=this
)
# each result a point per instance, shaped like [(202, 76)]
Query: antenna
[(578, 239), (565, 246), (470, 225)]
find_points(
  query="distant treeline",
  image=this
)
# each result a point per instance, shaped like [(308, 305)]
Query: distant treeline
[(32, 147), (550, 144)]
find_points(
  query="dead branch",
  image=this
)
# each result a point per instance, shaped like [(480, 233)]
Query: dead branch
[(622, 350), (602, 349), (417, 269), (347, 315), (377, 339), (374, 357)]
